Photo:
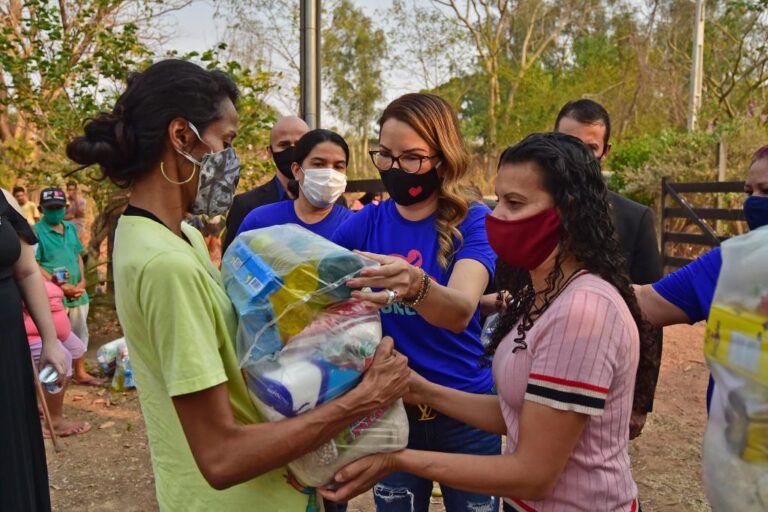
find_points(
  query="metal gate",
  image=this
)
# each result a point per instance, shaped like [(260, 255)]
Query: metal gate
[(675, 206)]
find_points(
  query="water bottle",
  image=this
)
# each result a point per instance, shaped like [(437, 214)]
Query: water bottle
[(488, 328), (118, 381), (48, 377), (128, 381)]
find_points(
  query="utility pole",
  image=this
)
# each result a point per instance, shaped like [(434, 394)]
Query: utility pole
[(310, 62), (697, 66)]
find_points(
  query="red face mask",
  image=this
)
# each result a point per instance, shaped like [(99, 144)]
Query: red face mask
[(524, 243)]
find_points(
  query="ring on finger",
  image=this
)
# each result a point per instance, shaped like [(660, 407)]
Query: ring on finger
[(391, 296)]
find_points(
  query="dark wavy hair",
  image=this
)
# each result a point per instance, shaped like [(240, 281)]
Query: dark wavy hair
[(571, 175), (127, 142), (312, 138)]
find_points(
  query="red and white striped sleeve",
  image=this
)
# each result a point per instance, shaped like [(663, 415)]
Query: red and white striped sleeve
[(574, 354)]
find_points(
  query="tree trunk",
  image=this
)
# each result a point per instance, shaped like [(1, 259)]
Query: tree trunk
[(353, 160), (362, 166), (103, 227), (493, 91)]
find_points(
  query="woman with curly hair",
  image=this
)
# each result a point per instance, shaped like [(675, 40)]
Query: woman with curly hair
[(436, 263), (565, 353)]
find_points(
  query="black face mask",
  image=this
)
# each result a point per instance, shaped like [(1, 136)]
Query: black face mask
[(283, 161), (407, 189)]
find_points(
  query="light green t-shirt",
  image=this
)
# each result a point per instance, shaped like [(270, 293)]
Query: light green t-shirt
[(180, 326)]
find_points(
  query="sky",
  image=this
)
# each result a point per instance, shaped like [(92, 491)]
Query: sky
[(196, 28)]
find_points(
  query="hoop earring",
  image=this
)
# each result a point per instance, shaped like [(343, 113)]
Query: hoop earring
[(194, 170)]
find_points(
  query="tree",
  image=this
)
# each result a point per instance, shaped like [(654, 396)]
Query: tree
[(736, 57), (266, 32), (353, 52), (61, 62), (509, 38), (426, 45), (56, 60), (255, 115)]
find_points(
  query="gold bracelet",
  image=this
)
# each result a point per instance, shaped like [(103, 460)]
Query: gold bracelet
[(417, 299)]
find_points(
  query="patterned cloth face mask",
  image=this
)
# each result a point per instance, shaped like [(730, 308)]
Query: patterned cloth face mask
[(219, 176)]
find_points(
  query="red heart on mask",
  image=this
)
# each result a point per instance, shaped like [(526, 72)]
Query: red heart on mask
[(415, 191)]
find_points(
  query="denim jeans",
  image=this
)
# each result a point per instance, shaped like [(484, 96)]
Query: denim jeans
[(404, 492), (330, 506)]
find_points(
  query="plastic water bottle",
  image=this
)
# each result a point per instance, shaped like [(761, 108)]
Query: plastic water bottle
[(488, 328), (118, 381), (128, 374), (48, 377)]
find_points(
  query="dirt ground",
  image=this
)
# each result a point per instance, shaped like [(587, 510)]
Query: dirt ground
[(109, 468)]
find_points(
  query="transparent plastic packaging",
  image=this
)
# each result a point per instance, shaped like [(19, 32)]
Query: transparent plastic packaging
[(303, 340), (108, 354), (735, 455), (114, 360)]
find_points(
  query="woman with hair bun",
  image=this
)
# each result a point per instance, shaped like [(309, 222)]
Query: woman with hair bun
[(435, 264), (169, 137), (565, 352)]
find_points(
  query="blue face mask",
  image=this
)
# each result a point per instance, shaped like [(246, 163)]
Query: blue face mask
[(756, 211)]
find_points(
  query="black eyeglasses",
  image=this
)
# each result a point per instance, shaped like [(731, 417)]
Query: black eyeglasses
[(408, 162)]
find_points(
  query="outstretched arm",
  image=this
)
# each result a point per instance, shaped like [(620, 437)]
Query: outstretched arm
[(479, 411), (547, 438), (657, 310), (228, 453), (451, 306)]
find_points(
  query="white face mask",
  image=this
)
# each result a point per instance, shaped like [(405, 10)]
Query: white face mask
[(322, 187)]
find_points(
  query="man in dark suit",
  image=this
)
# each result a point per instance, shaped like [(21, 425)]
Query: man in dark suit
[(283, 137), (636, 232)]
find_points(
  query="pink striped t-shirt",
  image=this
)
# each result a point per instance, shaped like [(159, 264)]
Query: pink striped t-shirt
[(582, 356)]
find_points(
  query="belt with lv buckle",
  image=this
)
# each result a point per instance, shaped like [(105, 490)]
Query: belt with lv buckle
[(420, 412)]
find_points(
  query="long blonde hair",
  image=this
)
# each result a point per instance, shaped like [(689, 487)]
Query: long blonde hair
[(435, 121)]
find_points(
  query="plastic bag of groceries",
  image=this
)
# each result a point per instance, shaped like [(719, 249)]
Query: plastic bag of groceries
[(114, 360), (735, 456), (109, 353), (303, 340)]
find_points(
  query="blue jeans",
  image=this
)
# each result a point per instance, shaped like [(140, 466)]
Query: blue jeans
[(404, 492), (330, 506)]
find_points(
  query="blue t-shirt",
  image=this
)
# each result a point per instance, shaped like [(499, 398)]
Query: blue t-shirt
[(283, 212), (441, 356), (692, 287)]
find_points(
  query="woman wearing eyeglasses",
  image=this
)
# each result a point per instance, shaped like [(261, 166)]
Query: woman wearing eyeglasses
[(435, 264)]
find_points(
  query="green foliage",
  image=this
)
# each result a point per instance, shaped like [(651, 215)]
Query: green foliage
[(353, 51), (639, 164), (55, 72), (60, 66), (633, 59), (255, 116)]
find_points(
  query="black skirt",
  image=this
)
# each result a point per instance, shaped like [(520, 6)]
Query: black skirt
[(23, 472)]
